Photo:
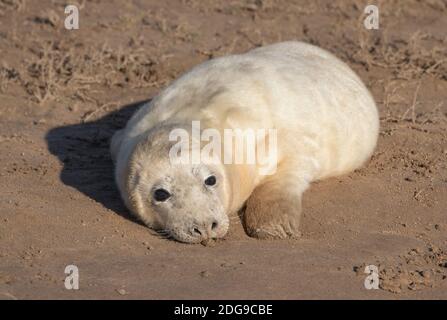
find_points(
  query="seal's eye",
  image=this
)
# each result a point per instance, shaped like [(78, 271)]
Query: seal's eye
[(161, 195), (210, 181)]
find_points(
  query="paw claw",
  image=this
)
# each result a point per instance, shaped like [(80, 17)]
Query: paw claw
[(277, 232)]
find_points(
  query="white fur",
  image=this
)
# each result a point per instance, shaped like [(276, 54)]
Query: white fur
[(326, 119)]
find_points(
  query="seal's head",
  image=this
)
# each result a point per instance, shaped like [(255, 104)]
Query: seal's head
[(186, 201)]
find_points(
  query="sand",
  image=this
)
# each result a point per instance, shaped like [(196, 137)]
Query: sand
[(63, 94)]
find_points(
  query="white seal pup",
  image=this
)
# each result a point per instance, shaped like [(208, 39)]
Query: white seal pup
[(326, 124)]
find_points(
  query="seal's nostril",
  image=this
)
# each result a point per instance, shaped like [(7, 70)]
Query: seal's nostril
[(196, 230), (214, 225)]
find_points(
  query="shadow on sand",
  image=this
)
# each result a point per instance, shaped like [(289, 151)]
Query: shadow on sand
[(84, 151)]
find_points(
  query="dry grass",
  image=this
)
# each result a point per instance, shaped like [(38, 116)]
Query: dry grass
[(7, 76), (61, 69), (412, 108), (407, 59), (18, 5), (48, 17)]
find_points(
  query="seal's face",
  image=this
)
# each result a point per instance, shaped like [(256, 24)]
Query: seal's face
[(184, 201), (187, 203)]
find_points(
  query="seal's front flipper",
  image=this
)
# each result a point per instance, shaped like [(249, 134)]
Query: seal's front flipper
[(273, 210)]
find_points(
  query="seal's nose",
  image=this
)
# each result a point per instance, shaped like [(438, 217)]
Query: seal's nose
[(206, 230)]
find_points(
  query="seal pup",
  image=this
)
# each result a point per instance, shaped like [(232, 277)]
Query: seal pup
[(326, 124)]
